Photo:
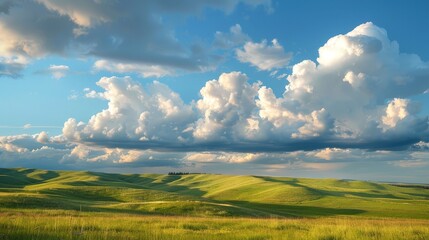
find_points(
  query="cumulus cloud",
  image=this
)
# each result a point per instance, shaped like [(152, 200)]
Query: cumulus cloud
[(357, 74), (36, 28), (331, 153), (324, 159), (226, 116), (153, 115), (58, 71), (12, 66), (58, 153), (31, 30), (42, 151), (8, 147), (33, 142), (42, 137), (231, 39), (264, 56), (355, 96), (421, 146), (117, 157), (225, 157), (92, 93), (142, 69), (226, 107)]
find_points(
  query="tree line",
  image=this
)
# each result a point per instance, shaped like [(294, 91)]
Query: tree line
[(182, 173)]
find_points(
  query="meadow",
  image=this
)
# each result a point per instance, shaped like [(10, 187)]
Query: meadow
[(74, 225), (40, 204)]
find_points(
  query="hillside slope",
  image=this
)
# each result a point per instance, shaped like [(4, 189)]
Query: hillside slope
[(207, 195)]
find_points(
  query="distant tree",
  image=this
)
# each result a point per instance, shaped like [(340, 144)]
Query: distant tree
[(179, 173)]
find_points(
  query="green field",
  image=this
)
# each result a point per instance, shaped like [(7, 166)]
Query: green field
[(39, 204)]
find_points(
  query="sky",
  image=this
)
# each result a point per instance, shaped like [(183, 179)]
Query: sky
[(318, 89)]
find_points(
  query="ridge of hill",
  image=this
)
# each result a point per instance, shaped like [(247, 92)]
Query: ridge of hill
[(208, 195)]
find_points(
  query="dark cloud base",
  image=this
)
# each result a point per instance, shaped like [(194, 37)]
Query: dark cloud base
[(260, 147)]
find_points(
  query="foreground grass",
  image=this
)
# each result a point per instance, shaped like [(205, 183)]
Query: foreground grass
[(64, 225)]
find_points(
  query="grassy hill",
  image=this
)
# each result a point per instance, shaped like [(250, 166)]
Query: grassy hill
[(207, 195)]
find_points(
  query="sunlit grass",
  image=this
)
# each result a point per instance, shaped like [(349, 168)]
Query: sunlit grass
[(74, 225)]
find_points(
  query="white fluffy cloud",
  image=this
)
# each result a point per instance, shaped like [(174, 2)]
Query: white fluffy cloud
[(357, 74), (92, 93), (264, 56), (233, 38), (58, 71), (42, 137), (331, 153), (395, 112), (42, 151), (118, 157), (316, 159), (152, 115), (343, 101), (142, 69), (226, 107)]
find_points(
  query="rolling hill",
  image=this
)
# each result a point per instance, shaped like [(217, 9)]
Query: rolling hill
[(208, 195)]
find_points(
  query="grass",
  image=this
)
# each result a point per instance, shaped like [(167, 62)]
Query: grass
[(40, 204), (52, 225)]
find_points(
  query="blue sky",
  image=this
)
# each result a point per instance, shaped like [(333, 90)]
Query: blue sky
[(298, 88)]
